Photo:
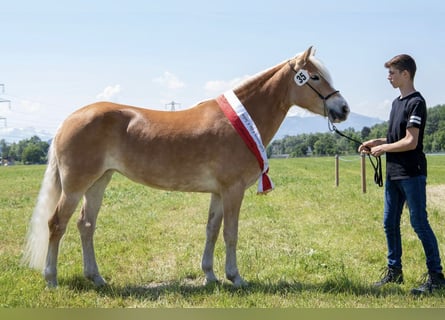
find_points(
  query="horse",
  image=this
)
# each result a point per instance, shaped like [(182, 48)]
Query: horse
[(192, 150)]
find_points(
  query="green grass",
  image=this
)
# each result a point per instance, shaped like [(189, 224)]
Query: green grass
[(306, 244)]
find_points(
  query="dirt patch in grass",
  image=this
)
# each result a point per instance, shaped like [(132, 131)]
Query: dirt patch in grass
[(435, 196)]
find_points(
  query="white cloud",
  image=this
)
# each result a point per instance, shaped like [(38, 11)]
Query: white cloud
[(109, 92), (170, 81), (219, 86), (300, 112)]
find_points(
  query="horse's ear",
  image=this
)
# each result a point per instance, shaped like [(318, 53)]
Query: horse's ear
[(308, 53)]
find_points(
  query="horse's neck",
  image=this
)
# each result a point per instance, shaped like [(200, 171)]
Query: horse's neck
[(266, 99)]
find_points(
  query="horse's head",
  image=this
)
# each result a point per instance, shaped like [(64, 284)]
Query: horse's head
[(313, 88)]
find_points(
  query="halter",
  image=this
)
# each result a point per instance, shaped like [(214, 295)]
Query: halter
[(378, 178), (322, 97)]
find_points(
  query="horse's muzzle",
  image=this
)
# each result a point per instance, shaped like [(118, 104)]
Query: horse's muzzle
[(339, 114)]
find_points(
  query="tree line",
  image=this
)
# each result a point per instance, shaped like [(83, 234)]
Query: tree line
[(329, 144), (28, 151)]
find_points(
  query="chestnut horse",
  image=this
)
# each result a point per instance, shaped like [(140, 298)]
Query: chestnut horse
[(195, 150)]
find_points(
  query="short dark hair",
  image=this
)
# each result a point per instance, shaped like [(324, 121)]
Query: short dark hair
[(403, 62)]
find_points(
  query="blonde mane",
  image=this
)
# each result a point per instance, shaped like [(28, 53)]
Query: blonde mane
[(324, 72), (258, 76)]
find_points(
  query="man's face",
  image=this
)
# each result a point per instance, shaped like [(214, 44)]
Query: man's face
[(396, 77)]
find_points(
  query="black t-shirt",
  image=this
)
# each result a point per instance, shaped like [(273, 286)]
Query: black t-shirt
[(407, 112)]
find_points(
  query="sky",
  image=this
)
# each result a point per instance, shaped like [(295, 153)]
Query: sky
[(57, 56)]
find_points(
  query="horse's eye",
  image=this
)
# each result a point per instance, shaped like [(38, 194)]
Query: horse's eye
[(315, 77)]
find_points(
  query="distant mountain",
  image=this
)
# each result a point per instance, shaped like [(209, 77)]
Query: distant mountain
[(295, 125)]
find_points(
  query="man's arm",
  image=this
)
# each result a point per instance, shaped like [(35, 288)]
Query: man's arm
[(407, 143)]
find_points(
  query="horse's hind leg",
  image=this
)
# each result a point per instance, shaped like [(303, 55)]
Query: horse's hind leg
[(213, 227), (57, 227), (87, 225)]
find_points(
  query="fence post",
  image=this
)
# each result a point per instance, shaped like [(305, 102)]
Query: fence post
[(336, 171), (363, 170)]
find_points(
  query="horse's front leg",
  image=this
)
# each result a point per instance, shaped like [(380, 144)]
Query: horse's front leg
[(213, 227), (232, 200)]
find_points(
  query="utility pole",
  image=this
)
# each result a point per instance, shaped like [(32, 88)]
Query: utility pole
[(172, 105), (2, 86)]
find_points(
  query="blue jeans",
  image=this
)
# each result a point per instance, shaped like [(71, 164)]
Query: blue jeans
[(413, 191)]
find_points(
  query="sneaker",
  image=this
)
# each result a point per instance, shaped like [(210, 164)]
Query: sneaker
[(390, 275), (435, 280)]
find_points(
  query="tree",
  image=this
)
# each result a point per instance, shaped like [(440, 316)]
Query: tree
[(31, 150), (325, 145), (33, 154), (4, 149), (365, 133)]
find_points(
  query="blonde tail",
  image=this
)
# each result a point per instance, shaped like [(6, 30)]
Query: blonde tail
[(38, 235)]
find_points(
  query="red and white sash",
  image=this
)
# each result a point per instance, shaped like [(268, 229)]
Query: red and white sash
[(246, 128)]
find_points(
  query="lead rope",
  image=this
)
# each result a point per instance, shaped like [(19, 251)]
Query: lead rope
[(377, 165)]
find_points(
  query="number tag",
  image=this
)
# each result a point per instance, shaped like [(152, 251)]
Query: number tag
[(301, 77)]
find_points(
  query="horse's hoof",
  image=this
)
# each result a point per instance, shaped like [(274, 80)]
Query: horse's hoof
[(240, 283), (51, 284), (51, 280), (97, 280)]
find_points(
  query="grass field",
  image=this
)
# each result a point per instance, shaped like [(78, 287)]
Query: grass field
[(306, 244)]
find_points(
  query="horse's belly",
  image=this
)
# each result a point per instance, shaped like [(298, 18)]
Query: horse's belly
[(174, 179)]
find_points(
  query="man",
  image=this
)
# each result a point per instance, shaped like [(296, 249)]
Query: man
[(406, 171)]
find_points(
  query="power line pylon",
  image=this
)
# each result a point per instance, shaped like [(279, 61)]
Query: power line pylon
[(172, 105), (2, 86)]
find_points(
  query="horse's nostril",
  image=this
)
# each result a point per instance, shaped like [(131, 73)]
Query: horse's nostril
[(345, 109)]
